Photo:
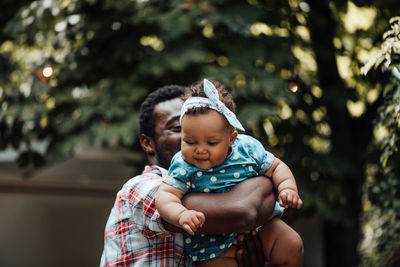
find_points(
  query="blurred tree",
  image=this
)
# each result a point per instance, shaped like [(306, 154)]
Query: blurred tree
[(381, 243), (75, 72)]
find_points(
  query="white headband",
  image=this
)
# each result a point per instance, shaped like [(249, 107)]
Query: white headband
[(211, 101)]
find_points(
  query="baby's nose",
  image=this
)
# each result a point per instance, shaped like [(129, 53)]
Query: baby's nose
[(200, 150)]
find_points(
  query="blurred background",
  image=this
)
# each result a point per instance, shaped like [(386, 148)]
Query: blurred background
[(316, 81)]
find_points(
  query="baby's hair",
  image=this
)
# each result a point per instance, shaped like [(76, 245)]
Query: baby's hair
[(197, 89)]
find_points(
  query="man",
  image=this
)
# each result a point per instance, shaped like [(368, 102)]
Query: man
[(135, 233)]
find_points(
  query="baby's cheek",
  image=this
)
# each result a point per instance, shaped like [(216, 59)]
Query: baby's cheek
[(186, 153)]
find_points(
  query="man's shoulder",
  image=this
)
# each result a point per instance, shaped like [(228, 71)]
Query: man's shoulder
[(145, 183)]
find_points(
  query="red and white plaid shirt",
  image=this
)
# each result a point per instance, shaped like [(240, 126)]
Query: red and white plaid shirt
[(134, 234)]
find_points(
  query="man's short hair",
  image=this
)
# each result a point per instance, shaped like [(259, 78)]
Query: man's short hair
[(162, 94)]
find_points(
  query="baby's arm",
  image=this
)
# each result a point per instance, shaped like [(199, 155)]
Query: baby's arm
[(285, 184), (169, 205)]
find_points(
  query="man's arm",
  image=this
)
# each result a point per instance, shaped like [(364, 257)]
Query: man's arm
[(247, 206)]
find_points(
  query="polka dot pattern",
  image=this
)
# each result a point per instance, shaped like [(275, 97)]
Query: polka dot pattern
[(246, 160), (215, 245)]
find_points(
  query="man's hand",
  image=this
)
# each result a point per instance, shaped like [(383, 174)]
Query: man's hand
[(191, 220), (289, 198), (250, 252)]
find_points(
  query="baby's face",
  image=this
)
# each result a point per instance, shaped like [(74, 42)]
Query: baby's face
[(206, 139)]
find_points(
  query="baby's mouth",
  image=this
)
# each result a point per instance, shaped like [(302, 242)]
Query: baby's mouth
[(201, 159)]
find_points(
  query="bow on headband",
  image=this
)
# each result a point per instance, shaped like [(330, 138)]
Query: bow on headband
[(211, 101)]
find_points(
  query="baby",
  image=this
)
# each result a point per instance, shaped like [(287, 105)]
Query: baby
[(214, 158)]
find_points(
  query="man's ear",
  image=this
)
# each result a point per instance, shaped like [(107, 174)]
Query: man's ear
[(233, 137), (148, 145)]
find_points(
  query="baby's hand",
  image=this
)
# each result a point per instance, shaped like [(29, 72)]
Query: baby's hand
[(191, 220), (289, 198)]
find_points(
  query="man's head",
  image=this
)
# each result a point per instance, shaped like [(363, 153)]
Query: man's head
[(160, 131)]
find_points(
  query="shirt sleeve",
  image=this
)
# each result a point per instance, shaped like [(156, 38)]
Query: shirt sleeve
[(133, 221), (133, 217), (179, 173), (263, 158)]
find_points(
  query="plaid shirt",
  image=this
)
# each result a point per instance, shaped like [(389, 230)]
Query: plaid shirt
[(134, 234)]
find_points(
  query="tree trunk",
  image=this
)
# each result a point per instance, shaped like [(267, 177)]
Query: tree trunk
[(349, 139)]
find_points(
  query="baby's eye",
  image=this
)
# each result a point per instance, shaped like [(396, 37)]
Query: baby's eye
[(188, 142), (212, 143)]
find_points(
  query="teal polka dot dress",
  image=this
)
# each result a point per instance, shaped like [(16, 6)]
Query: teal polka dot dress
[(247, 159)]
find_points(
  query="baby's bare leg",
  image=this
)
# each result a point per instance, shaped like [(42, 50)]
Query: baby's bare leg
[(282, 245), (228, 258)]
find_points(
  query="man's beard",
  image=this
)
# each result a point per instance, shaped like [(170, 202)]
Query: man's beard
[(164, 159)]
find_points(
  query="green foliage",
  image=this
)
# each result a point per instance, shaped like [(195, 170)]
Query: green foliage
[(106, 57), (383, 186), (388, 60)]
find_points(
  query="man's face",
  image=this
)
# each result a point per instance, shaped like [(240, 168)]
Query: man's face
[(167, 130)]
